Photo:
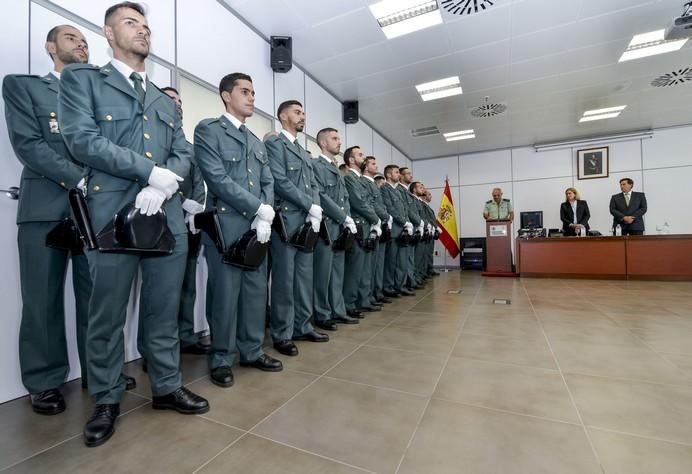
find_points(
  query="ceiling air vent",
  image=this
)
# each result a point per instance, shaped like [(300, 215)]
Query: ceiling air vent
[(488, 110), (681, 76), (424, 132), (466, 7)]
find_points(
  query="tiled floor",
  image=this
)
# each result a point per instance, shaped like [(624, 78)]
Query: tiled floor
[(574, 376)]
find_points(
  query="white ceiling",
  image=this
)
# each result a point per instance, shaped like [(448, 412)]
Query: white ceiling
[(548, 60)]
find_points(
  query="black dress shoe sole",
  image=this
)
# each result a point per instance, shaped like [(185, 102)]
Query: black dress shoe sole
[(48, 411), (194, 350), (342, 321), (301, 338), (327, 328), (168, 406), (263, 368), (99, 442)]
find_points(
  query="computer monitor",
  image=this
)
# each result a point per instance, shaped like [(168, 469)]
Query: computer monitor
[(532, 220)]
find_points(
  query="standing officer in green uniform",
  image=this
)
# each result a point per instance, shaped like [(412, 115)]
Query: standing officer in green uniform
[(358, 272), (498, 208), (49, 171), (128, 134), (396, 257), (369, 172), (241, 188), (329, 263), (297, 198), (427, 198), (405, 179), (193, 195), (422, 249)]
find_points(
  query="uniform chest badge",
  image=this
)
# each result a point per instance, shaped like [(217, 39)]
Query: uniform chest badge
[(53, 126)]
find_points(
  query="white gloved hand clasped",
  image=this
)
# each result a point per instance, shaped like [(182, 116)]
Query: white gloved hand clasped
[(350, 224), (149, 200), (265, 212), (164, 180), (263, 228), (192, 207), (316, 212)]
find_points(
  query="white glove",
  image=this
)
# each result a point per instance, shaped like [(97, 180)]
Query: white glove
[(316, 212), (408, 227), (190, 221), (314, 222), (377, 229), (265, 212), (439, 230), (389, 221), (420, 228), (264, 229), (82, 186), (192, 207), (350, 224), (149, 200), (430, 229), (164, 180)]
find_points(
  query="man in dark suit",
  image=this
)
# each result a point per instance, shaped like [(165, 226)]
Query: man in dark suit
[(49, 171), (297, 197), (628, 209), (129, 135)]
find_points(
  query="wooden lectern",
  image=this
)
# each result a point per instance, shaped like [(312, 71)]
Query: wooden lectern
[(498, 246)]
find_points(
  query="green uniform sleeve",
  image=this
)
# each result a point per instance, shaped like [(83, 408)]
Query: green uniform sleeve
[(284, 187)]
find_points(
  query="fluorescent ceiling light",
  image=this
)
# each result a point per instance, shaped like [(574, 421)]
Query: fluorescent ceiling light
[(400, 17), (591, 118), (460, 135), (439, 89), (607, 110), (649, 44)]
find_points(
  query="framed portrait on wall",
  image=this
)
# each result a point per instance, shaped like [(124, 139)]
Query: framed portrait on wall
[(592, 163)]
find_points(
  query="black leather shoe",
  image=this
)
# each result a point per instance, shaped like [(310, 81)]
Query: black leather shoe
[(407, 292), (286, 348), (265, 363), (48, 402), (130, 382), (384, 300), (370, 309), (198, 348), (101, 426), (312, 336), (355, 314), (183, 401), (222, 376), (328, 325), (391, 294), (433, 273), (344, 319), (376, 304), (415, 287)]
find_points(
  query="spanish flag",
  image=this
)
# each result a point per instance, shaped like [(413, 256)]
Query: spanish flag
[(446, 219)]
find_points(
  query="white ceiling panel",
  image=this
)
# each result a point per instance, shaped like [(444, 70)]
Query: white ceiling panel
[(548, 60)]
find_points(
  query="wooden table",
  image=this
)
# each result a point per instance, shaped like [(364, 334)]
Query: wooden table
[(644, 257)]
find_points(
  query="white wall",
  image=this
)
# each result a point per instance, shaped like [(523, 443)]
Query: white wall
[(535, 181), (211, 42)]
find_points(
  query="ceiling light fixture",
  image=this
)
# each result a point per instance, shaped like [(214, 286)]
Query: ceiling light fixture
[(460, 135), (439, 89), (602, 114), (649, 44), (400, 17)]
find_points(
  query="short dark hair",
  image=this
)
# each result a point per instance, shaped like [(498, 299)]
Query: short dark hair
[(52, 35), (228, 82), (412, 186), (286, 104), (389, 168), (343, 165), (378, 176), (628, 180), (403, 168), (169, 88), (349, 153), (323, 131), (366, 160), (133, 5)]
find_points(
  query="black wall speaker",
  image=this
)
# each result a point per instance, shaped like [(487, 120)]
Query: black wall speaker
[(281, 53), (351, 111)]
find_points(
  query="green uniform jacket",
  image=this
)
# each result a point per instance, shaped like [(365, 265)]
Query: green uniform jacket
[(333, 194), (376, 199), (395, 204), (411, 207), (237, 175), (362, 210), (193, 188), (119, 139), (295, 187), (31, 110)]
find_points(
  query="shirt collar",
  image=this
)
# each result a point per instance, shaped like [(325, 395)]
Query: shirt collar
[(369, 177), (237, 123), (290, 137), (56, 74), (126, 70), (329, 160), (353, 170), (392, 185)]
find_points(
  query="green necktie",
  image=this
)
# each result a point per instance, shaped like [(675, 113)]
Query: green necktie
[(137, 79), (627, 200), (243, 130)]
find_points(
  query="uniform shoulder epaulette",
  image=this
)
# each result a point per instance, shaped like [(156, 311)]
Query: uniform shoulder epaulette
[(82, 66), (24, 75), (208, 121), (489, 201), (505, 200), (272, 138)]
